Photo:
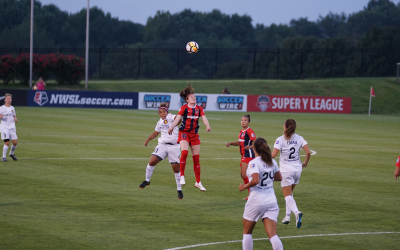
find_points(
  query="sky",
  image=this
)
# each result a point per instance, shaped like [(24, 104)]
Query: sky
[(261, 11)]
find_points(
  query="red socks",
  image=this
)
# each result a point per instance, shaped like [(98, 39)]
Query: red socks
[(196, 167), (246, 180), (182, 163)]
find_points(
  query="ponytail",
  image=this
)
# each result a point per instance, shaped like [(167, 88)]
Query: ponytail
[(290, 125), (186, 91), (263, 150)]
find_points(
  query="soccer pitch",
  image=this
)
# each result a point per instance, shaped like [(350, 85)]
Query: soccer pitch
[(76, 183)]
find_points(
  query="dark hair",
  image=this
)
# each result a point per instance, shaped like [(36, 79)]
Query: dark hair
[(290, 125), (263, 150), (248, 117), (163, 106), (186, 91)]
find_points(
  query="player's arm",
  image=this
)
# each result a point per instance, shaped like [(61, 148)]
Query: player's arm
[(308, 155), (205, 121), (397, 172), (151, 137), (252, 183), (275, 152), (234, 143), (278, 176), (177, 120), (251, 146)]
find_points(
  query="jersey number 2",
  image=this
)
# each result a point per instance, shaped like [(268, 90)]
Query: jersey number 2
[(292, 151)]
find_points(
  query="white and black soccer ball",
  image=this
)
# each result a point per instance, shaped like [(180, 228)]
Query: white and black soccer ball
[(192, 47)]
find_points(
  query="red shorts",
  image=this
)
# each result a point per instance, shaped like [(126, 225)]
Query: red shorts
[(246, 160), (192, 138)]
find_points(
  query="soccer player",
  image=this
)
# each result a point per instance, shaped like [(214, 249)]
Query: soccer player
[(397, 170), (7, 127), (289, 145), (262, 203), (245, 142), (167, 146), (188, 133)]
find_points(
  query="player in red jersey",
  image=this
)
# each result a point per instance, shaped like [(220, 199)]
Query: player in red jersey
[(397, 170), (188, 133), (245, 142)]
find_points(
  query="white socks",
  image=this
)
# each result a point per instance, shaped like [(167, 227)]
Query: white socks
[(288, 211), (247, 242), (149, 172), (178, 181), (5, 149), (291, 203), (12, 149), (276, 243)]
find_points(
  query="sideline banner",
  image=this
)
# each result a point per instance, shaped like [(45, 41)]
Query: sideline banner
[(83, 99), (303, 104), (209, 102), (19, 97)]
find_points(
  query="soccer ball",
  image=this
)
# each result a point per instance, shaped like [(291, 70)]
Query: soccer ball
[(35, 87), (192, 47)]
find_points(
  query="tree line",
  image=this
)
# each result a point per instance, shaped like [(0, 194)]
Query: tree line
[(377, 25)]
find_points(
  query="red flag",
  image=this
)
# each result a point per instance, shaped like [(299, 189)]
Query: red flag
[(372, 92)]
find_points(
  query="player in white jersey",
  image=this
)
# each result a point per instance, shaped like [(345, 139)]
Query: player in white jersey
[(167, 146), (262, 203), (7, 127), (290, 165)]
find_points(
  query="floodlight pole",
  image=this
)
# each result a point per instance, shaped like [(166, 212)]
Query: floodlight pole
[(87, 46), (31, 48)]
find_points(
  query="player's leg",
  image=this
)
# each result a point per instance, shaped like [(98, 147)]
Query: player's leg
[(14, 139), (291, 203), (173, 157), (182, 162), (247, 242), (158, 155), (243, 169), (196, 166), (6, 138), (270, 219)]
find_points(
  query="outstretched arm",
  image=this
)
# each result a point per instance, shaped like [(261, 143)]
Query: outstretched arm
[(235, 143), (205, 121), (151, 137), (173, 125)]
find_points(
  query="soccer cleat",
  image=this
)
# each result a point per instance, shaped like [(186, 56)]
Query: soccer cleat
[(199, 186), (13, 157), (144, 184), (4, 159), (286, 220), (298, 219), (183, 180), (180, 195)]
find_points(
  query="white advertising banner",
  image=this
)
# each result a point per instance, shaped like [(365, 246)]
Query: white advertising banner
[(209, 102)]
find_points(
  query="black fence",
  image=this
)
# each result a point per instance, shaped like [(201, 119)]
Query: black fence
[(232, 63)]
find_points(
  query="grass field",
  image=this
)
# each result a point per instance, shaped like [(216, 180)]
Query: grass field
[(387, 90), (75, 184)]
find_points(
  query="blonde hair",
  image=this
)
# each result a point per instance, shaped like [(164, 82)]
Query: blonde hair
[(6, 95)]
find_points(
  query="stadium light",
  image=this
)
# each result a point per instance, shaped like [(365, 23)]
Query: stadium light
[(31, 48), (87, 46)]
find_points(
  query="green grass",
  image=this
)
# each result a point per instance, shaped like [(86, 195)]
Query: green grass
[(49, 199), (387, 91)]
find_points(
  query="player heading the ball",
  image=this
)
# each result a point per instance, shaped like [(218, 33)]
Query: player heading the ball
[(188, 133)]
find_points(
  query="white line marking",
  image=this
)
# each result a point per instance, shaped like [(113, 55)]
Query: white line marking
[(283, 237), (312, 152)]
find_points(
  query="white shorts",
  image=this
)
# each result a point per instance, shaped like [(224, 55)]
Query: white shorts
[(172, 151), (10, 134), (255, 212), (290, 178)]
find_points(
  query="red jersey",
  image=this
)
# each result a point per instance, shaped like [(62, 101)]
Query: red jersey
[(398, 162), (245, 139), (190, 118)]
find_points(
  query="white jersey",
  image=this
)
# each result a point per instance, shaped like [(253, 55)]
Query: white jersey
[(289, 160), (163, 126), (263, 192), (7, 122)]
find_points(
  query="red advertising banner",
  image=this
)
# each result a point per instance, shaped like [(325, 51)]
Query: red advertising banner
[(303, 104)]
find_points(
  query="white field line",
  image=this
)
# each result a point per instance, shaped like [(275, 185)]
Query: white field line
[(283, 237)]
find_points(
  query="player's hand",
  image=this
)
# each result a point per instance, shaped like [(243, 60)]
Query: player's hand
[(170, 131), (228, 144), (15, 119), (208, 129), (1, 116), (146, 142), (247, 147), (304, 165), (241, 187)]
